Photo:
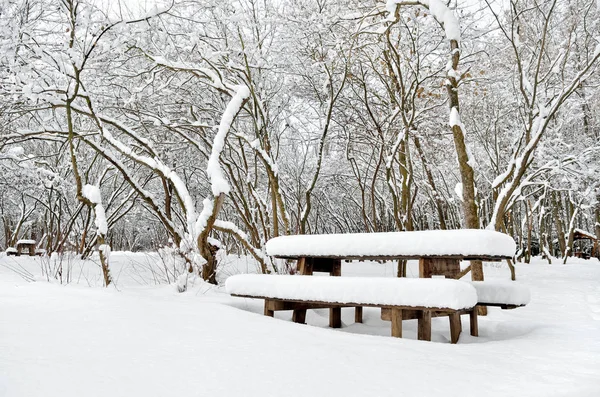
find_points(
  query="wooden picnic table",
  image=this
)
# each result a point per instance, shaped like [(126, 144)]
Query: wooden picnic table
[(26, 245), (325, 253)]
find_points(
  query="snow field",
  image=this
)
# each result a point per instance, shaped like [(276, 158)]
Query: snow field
[(142, 339)]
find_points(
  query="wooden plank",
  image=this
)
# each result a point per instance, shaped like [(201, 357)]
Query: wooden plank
[(473, 322), (351, 304), (358, 314), (424, 332), (386, 314), (500, 305), (455, 327), (335, 317), (448, 267), (305, 266), (487, 258), (336, 268), (408, 313), (397, 323), (279, 305), (324, 265)]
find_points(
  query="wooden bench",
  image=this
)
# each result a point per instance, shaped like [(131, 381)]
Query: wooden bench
[(403, 298), (502, 294)]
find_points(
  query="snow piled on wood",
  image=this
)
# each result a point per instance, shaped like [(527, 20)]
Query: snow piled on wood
[(585, 233), (466, 242), (440, 12), (502, 292), (217, 180), (92, 193), (425, 292), (455, 118)]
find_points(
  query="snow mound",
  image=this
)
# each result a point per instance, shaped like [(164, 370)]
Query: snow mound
[(502, 292), (425, 292), (466, 243)]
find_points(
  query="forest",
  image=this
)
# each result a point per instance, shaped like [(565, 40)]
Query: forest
[(204, 126)]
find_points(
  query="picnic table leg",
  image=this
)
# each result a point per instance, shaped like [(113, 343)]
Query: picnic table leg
[(358, 312), (335, 313), (305, 267), (474, 325), (335, 317), (299, 316), (424, 320), (268, 312), (455, 327), (336, 271), (397, 323)]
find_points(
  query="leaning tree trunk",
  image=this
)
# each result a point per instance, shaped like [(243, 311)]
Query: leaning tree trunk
[(467, 175)]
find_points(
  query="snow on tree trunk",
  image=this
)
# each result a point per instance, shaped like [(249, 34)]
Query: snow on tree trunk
[(219, 185)]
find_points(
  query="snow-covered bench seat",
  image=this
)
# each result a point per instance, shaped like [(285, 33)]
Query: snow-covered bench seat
[(425, 297), (506, 294), (503, 294)]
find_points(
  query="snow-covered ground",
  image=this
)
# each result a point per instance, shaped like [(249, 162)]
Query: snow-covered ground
[(142, 338)]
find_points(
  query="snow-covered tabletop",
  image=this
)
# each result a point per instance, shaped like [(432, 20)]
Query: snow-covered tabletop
[(461, 244), (26, 242)]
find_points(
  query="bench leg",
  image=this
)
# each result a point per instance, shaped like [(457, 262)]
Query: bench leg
[(455, 327), (397, 323), (358, 312), (299, 316), (335, 317), (424, 332), (268, 312), (474, 325)]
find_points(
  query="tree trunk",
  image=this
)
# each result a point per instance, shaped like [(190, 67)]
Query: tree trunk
[(560, 233)]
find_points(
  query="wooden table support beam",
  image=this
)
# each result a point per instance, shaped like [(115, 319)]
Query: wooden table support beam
[(335, 317), (358, 314), (455, 327), (268, 311), (397, 323), (305, 268), (424, 320), (473, 321)]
